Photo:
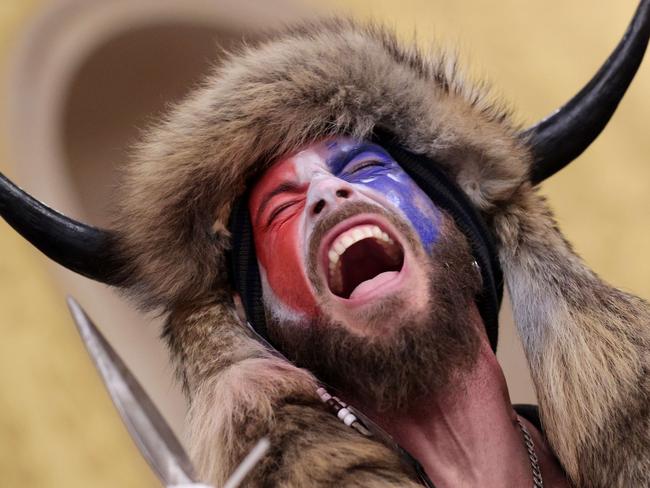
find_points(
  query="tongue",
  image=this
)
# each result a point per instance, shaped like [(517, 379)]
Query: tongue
[(372, 284)]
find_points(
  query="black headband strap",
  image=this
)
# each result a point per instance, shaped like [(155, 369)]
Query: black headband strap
[(447, 195), (244, 272)]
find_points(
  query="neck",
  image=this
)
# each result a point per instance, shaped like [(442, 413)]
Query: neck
[(468, 434)]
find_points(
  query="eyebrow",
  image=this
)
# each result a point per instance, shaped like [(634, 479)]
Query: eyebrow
[(284, 187), (341, 157)]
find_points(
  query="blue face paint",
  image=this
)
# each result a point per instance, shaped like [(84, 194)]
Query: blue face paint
[(370, 166)]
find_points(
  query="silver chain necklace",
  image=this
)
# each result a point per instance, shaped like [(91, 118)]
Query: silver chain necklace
[(534, 462)]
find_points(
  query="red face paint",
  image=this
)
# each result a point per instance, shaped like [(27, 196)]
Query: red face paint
[(276, 224)]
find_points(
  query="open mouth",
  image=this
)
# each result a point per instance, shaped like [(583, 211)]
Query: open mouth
[(362, 258)]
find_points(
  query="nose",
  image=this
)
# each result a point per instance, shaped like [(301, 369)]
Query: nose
[(326, 193)]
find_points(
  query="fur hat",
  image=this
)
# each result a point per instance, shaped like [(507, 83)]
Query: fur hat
[(270, 100)]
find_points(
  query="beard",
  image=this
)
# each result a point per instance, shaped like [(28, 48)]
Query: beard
[(417, 353)]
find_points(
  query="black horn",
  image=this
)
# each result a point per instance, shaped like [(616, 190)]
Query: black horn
[(563, 136), (81, 248)]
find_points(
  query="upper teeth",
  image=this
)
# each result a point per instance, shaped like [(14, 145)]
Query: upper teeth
[(350, 236)]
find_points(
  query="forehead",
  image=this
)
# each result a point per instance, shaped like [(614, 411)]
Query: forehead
[(330, 156)]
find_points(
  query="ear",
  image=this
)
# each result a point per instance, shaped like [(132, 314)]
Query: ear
[(587, 344)]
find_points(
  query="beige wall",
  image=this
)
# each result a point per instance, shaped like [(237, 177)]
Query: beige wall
[(57, 426)]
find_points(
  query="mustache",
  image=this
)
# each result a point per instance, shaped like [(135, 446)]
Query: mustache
[(342, 213)]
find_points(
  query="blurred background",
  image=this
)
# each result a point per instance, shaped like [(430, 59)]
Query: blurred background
[(81, 78)]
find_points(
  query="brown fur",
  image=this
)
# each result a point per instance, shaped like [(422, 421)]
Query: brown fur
[(587, 343), (240, 392)]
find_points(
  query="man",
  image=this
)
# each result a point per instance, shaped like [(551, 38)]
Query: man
[(372, 287), (360, 200)]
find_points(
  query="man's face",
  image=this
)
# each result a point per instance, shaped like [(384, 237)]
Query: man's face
[(340, 225), (365, 281)]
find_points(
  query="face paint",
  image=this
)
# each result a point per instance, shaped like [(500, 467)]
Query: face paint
[(275, 217), (281, 207), (370, 166)]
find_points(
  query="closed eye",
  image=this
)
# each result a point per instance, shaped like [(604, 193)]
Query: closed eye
[(279, 209), (363, 165)]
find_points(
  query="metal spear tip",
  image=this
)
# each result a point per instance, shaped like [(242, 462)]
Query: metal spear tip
[(147, 427)]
